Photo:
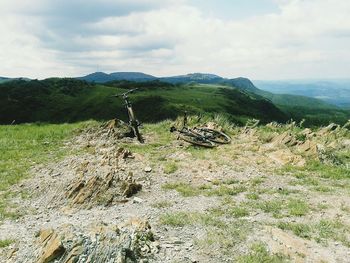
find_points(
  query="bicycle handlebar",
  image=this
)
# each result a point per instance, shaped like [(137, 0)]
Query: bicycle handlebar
[(125, 93)]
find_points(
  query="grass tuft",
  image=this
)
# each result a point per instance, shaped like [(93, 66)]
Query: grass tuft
[(6, 242), (238, 211), (162, 204), (300, 230), (259, 253), (184, 189), (297, 207), (177, 219), (170, 167), (322, 231)]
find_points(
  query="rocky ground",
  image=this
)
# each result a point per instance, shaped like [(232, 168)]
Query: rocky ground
[(275, 194)]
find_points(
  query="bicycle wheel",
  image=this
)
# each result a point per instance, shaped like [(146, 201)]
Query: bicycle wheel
[(137, 133), (197, 140), (214, 135)]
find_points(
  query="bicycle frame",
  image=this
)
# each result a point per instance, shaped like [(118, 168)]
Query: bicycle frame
[(133, 122), (201, 136), (128, 105)]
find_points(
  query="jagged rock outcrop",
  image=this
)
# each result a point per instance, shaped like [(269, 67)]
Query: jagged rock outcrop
[(101, 190), (127, 243), (295, 146)]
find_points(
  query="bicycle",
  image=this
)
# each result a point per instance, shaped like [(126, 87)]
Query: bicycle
[(201, 136), (133, 122)]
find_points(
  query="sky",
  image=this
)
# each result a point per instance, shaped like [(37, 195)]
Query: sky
[(258, 39)]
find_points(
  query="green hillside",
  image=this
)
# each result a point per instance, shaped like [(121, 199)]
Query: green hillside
[(2, 80), (58, 100), (314, 111), (69, 100)]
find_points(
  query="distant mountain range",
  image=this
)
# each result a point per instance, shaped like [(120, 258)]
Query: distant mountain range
[(201, 78), (284, 98), (313, 94), (90, 97), (101, 77)]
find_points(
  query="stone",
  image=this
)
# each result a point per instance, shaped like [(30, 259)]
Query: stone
[(45, 234), (124, 153), (12, 252), (131, 188), (308, 148), (285, 156), (56, 174), (73, 256), (327, 130), (132, 241), (148, 169), (138, 200), (53, 249), (285, 138), (307, 133), (100, 189)]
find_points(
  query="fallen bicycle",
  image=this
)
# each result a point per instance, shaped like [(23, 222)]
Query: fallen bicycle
[(201, 136)]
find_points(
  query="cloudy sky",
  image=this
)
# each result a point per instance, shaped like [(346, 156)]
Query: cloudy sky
[(259, 39)]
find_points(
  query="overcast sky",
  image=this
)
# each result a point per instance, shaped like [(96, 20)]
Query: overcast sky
[(259, 39)]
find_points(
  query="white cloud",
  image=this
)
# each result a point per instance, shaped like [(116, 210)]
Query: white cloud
[(308, 38)]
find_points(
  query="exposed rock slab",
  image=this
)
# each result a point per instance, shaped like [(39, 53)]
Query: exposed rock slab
[(129, 242)]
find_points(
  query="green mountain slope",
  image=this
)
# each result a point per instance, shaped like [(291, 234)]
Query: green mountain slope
[(314, 111), (243, 84), (2, 79), (69, 100)]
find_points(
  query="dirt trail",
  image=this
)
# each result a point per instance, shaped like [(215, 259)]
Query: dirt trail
[(175, 203)]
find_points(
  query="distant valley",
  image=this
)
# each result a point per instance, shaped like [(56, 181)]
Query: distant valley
[(336, 92)]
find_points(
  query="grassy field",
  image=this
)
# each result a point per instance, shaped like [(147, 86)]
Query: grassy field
[(24, 146)]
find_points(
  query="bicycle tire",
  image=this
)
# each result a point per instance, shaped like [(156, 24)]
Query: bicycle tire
[(138, 134), (197, 140), (214, 135)]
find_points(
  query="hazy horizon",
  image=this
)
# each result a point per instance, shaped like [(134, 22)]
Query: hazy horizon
[(157, 76), (257, 39)]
